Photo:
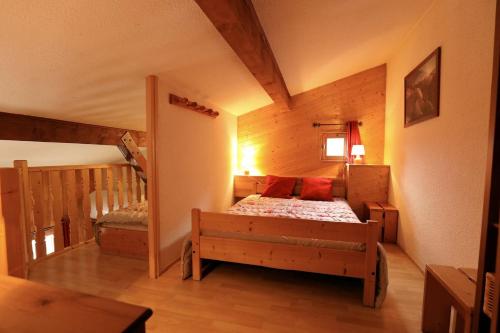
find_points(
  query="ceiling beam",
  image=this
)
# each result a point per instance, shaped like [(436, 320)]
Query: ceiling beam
[(28, 128), (238, 23)]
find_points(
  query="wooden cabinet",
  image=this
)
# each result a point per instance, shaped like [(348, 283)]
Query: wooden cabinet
[(366, 182), (387, 215)]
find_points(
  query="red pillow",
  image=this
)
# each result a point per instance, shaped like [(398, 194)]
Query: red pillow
[(317, 189), (279, 187)]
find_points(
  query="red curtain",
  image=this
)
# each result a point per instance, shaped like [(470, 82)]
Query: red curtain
[(353, 138)]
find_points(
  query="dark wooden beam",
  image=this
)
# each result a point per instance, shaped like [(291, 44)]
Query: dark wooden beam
[(239, 24), (28, 128)]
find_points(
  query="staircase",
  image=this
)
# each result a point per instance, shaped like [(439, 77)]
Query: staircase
[(133, 155)]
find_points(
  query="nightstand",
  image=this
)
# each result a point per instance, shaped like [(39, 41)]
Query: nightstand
[(387, 215)]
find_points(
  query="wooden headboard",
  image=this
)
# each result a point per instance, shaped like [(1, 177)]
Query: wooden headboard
[(246, 185)]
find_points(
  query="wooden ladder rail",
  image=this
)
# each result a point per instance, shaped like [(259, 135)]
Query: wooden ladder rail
[(133, 155)]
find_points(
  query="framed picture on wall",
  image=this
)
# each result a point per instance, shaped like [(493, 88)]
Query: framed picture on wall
[(422, 90)]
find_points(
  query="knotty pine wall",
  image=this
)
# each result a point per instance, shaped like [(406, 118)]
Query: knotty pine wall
[(283, 142)]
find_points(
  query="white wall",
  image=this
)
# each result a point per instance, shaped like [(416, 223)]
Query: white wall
[(438, 166), (195, 160), (51, 153)]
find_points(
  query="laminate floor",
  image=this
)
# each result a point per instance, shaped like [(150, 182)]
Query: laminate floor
[(240, 298)]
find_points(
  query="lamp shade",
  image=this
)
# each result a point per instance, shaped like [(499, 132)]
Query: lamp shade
[(358, 150)]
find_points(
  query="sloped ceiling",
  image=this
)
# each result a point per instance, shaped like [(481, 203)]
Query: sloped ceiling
[(319, 41), (86, 60)]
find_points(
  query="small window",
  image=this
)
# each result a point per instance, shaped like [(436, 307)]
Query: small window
[(333, 146)]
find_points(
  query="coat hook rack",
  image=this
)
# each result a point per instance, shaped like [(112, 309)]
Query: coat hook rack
[(315, 124), (187, 104)]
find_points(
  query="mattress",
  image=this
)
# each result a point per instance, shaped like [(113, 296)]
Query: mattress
[(337, 210), (134, 217), (135, 214)]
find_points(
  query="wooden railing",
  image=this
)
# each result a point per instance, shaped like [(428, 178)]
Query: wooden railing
[(58, 202)]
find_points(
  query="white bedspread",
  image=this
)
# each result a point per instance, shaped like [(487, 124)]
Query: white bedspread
[(337, 210)]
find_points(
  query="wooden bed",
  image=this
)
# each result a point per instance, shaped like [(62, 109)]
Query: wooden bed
[(343, 262)]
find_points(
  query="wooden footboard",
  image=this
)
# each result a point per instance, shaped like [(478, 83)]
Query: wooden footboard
[(346, 262)]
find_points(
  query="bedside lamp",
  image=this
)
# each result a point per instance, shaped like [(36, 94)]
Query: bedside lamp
[(358, 151)]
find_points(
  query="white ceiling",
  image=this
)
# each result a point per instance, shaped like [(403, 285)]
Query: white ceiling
[(86, 60), (319, 41)]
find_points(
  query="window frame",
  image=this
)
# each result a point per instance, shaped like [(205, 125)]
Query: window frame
[(329, 135)]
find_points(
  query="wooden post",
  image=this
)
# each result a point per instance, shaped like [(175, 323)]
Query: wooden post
[(138, 192), (38, 213), (98, 191), (83, 179), (110, 189), (195, 240), (69, 188), (26, 208), (4, 263), (57, 209), (152, 190), (129, 186), (119, 185), (372, 232)]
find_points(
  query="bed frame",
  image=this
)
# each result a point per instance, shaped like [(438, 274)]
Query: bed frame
[(347, 263), (124, 242)]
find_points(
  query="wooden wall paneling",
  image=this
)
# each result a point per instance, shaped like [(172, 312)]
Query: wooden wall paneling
[(119, 185), (98, 191), (69, 187), (152, 190), (239, 25), (28, 128), (286, 144), (57, 209), (110, 188), (130, 198), (366, 183), (26, 212), (38, 214), (138, 191), (14, 240)]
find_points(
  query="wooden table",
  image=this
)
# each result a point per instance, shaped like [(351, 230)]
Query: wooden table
[(26, 306), (445, 287)]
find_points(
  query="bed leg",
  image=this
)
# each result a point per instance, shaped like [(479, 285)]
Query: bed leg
[(370, 264), (195, 240)]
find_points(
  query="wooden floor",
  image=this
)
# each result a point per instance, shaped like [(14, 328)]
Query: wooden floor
[(239, 298)]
